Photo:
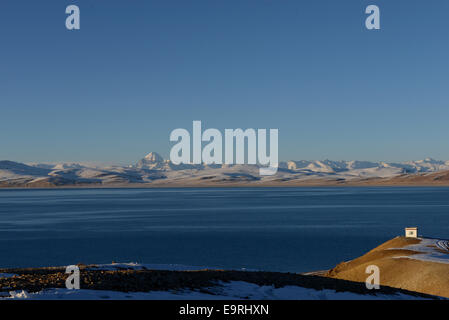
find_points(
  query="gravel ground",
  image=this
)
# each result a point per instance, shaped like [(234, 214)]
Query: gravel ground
[(144, 280)]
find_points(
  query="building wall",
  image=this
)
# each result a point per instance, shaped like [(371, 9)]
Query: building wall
[(411, 233)]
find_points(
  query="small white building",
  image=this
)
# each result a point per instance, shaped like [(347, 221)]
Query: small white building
[(411, 232)]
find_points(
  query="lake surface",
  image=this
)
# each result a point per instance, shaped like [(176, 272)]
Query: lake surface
[(276, 229)]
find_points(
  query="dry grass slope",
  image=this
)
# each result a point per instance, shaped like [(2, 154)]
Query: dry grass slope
[(409, 274)]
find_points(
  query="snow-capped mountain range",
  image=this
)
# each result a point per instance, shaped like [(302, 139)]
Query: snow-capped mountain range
[(153, 169)]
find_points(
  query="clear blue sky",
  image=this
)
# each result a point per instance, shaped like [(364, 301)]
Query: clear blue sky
[(136, 70)]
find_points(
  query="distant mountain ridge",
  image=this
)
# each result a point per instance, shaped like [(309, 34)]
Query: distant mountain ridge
[(427, 165), (154, 169)]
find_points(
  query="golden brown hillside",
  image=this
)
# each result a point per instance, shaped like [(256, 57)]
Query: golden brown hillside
[(420, 265)]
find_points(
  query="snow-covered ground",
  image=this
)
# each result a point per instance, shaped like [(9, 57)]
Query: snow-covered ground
[(432, 250), (154, 168), (141, 266), (234, 290)]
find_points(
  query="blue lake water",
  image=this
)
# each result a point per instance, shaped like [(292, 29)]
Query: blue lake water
[(278, 229)]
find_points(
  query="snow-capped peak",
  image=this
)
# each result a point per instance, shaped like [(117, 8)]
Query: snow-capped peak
[(431, 160), (153, 157)]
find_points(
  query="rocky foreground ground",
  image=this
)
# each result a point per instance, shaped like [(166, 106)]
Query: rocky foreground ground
[(409, 268), (144, 280)]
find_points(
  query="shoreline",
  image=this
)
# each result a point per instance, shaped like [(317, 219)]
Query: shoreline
[(398, 260), (24, 282), (228, 185)]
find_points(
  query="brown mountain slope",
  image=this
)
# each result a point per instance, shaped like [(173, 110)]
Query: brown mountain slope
[(413, 264), (424, 179)]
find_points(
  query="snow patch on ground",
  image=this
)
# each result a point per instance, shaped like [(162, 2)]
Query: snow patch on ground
[(7, 275), (431, 250), (234, 290), (140, 266)]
